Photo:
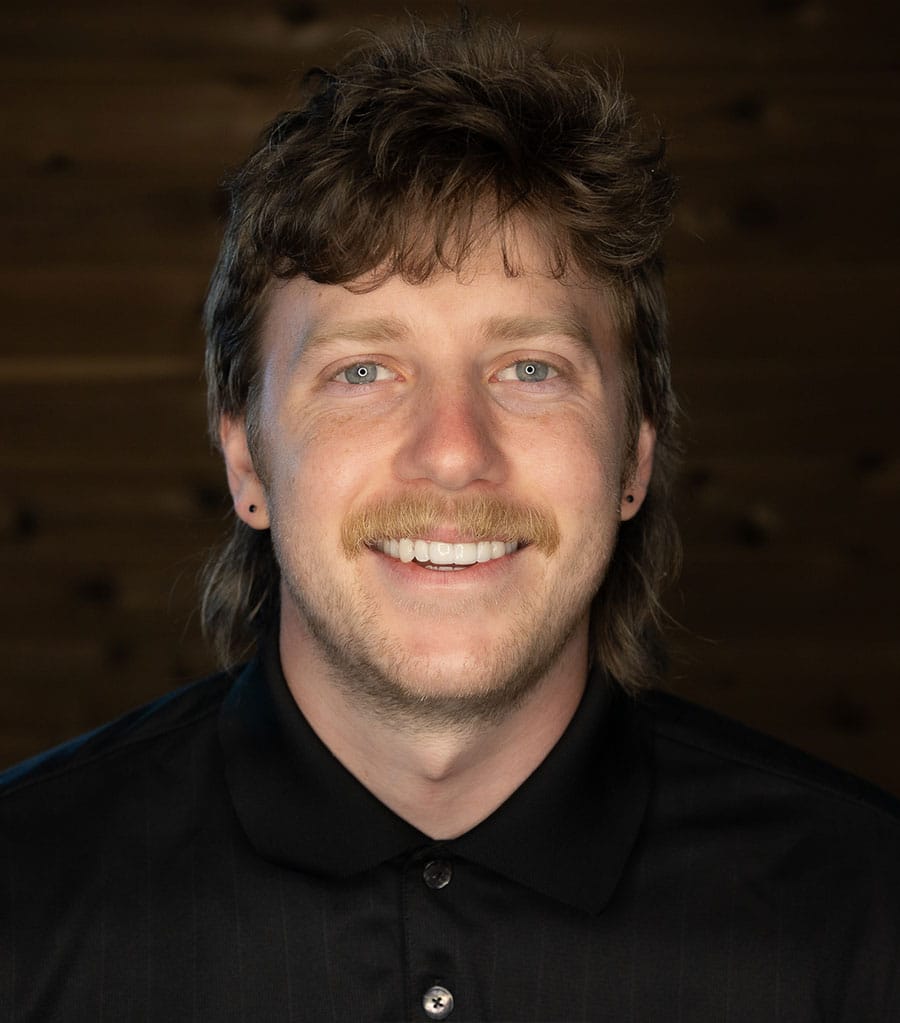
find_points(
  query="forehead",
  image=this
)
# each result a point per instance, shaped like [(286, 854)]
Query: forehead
[(496, 295)]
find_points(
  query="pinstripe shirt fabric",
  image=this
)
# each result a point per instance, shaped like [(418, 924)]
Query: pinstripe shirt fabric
[(207, 859)]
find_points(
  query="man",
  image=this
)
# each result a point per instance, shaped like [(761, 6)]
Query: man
[(441, 788)]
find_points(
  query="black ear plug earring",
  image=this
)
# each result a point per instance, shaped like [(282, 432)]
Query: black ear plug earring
[(628, 497), (252, 508)]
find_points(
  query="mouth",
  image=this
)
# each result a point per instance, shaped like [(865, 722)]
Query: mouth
[(445, 557)]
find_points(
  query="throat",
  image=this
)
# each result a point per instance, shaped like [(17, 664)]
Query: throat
[(446, 788)]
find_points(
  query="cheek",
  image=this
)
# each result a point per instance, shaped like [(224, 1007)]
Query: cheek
[(320, 472), (577, 460)]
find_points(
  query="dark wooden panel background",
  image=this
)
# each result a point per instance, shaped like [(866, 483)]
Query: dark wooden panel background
[(120, 119)]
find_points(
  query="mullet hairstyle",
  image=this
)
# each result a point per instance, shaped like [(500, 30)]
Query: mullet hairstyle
[(404, 160)]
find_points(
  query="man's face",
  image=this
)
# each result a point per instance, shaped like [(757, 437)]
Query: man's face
[(382, 414)]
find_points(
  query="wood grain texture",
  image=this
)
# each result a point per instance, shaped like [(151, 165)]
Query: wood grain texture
[(783, 119)]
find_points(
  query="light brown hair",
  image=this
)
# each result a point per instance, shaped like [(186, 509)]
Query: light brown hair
[(395, 163)]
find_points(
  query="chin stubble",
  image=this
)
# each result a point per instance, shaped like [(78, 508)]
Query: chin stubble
[(395, 689)]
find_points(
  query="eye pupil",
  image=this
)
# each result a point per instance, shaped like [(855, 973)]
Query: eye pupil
[(532, 370), (361, 373)]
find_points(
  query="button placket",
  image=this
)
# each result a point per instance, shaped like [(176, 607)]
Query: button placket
[(431, 936)]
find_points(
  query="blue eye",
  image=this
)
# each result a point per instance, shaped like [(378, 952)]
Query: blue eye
[(528, 371), (532, 370), (361, 373)]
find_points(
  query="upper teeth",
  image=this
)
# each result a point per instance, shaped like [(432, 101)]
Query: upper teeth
[(438, 553)]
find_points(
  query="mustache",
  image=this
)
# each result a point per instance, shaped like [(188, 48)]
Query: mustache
[(477, 517)]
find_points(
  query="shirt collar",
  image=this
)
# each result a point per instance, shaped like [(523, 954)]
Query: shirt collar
[(566, 832)]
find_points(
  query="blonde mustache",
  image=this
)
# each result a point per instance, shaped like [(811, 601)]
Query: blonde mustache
[(475, 518)]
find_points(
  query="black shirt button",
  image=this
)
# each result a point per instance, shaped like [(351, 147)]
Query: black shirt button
[(437, 1002), (437, 873)]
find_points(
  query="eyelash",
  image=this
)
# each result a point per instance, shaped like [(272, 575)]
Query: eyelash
[(356, 365), (551, 371)]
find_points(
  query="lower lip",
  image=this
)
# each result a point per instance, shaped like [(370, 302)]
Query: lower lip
[(412, 573)]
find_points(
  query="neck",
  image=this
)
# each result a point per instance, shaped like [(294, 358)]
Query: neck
[(442, 780)]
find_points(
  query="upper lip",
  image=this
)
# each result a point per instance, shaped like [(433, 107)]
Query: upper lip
[(443, 534)]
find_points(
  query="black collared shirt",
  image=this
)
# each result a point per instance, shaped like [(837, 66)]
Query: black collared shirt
[(207, 858)]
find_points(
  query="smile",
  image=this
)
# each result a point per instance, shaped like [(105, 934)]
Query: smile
[(437, 554)]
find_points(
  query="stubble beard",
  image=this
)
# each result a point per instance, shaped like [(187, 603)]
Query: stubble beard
[(414, 693)]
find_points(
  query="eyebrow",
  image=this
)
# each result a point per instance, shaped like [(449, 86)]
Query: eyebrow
[(391, 330), (521, 328), (380, 330)]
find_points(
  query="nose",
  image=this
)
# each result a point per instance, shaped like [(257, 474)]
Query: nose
[(451, 439)]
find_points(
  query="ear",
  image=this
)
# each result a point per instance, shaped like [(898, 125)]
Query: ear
[(246, 487), (636, 487)]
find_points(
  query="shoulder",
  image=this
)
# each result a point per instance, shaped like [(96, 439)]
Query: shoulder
[(171, 720), (761, 850), (690, 738)]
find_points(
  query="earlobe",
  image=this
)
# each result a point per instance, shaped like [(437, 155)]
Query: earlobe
[(636, 488), (246, 488)]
